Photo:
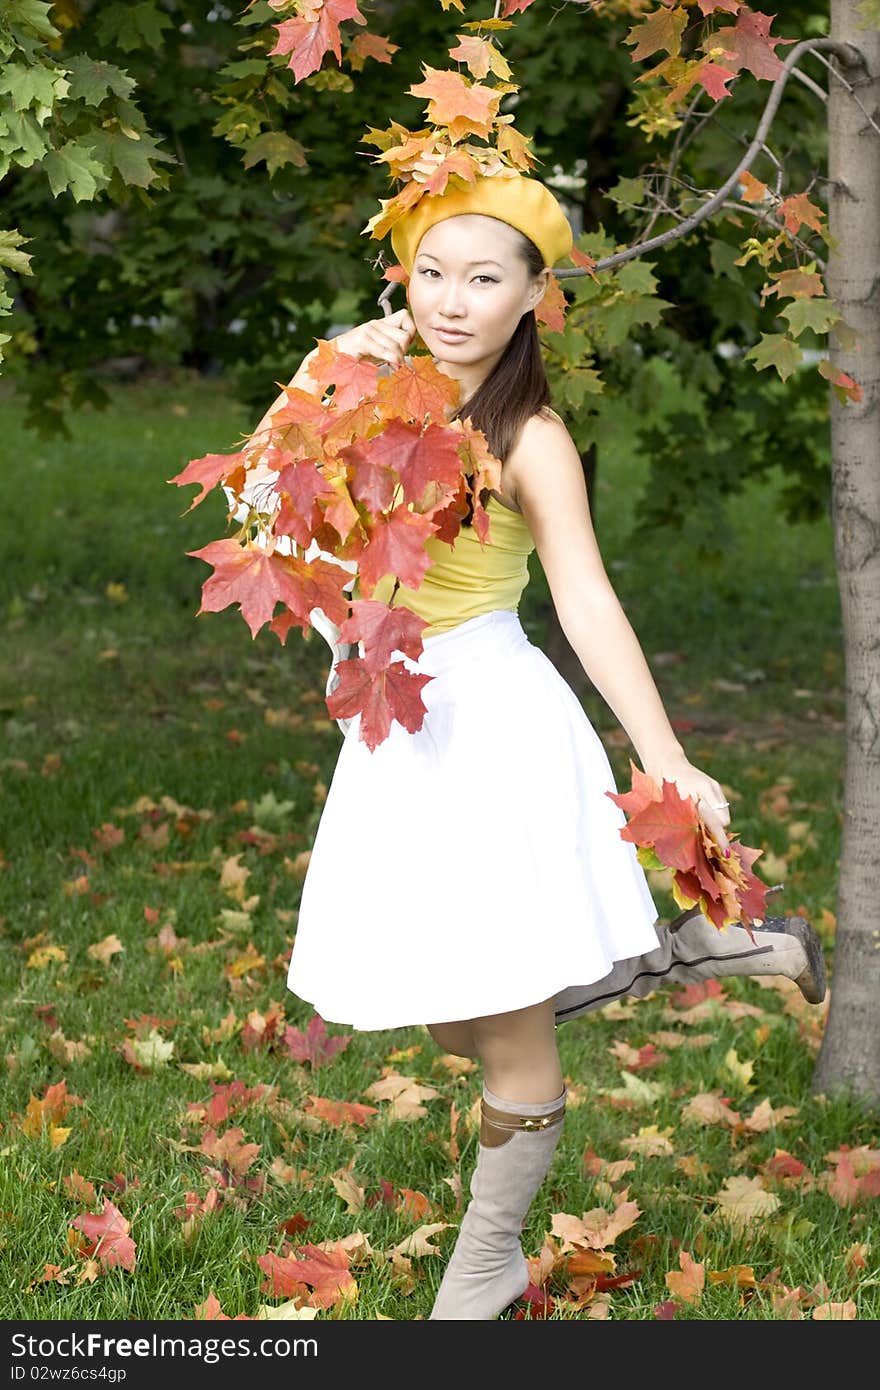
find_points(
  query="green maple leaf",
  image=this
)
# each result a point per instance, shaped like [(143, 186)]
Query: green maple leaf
[(269, 809), (277, 149), (91, 80), (21, 140), (130, 155), (776, 350), (74, 167), (30, 14), (817, 314), (10, 256), (133, 26), (623, 315), (25, 84)]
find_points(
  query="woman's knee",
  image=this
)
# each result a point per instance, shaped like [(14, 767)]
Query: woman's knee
[(518, 1030), (518, 1052)]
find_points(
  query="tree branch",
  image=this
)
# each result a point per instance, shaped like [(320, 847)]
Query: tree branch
[(847, 53)]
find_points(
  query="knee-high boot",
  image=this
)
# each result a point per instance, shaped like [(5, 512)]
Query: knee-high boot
[(487, 1270), (691, 949)]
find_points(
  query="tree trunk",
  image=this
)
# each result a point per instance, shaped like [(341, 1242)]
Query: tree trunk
[(849, 1059)]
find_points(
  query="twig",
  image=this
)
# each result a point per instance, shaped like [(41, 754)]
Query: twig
[(847, 53)]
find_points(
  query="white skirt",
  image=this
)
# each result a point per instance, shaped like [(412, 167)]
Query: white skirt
[(476, 866)]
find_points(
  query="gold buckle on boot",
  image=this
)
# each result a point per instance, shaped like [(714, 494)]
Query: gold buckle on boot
[(498, 1126)]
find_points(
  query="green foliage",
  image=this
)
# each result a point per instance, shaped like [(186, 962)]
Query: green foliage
[(200, 207)]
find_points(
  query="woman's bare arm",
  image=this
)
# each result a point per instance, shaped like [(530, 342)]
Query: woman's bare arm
[(546, 473)]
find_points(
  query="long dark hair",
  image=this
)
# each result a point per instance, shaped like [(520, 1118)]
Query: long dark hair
[(517, 387)]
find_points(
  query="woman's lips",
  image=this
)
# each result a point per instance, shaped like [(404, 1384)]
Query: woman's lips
[(451, 334)]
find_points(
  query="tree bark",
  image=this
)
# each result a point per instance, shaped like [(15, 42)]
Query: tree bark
[(849, 1058)]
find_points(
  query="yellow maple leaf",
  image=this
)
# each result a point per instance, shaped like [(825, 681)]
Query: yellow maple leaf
[(104, 950), (41, 957), (740, 1072)]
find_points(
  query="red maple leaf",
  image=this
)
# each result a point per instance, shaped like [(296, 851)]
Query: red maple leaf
[(750, 45), (393, 693), (670, 826), (108, 1233), (229, 1148), (314, 1046), (305, 486), (209, 471), (383, 630), (258, 581), (396, 546), (327, 1271), (308, 40)]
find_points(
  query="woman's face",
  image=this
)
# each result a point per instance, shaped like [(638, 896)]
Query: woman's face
[(468, 275)]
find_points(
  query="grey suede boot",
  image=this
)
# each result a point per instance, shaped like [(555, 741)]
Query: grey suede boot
[(487, 1270), (691, 949)]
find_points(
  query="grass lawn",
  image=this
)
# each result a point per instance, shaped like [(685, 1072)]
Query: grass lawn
[(161, 780)]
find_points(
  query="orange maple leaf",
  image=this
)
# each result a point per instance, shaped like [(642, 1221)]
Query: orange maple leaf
[(465, 108), (327, 1271), (339, 1112)]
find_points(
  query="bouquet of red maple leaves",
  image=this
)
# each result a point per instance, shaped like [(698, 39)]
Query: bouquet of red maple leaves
[(670, 834), (358, 480)]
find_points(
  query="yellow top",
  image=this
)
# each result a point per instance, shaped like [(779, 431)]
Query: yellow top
[(465, 579)]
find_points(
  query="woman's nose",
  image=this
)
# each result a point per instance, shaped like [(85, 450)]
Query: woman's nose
[(452, 299)]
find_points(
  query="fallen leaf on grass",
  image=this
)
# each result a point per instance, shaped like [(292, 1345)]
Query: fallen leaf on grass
[(741, 1275), (405, 1095), (108, 1236), (149, 1053), (709, 1109), (845, 1312), (338, 1112), (764, 1117), (687, 1284), (106, 949), (79, 1188), (230, 1150), (207, 1071), (326, 1271), (315, 1046), (348, 1188), (419, 1240), (66, 1049), (287, 1312), (743, 1201), (210, 1311), (635, 1091), (596, 1229), (650, 1142)]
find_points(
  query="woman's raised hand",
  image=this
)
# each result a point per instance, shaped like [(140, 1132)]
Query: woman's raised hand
[(712, 805), (386, 339)]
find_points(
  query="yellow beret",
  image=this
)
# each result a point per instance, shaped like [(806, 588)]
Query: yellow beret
[(525, 203)]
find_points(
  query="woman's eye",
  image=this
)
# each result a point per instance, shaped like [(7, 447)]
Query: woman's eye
[(429, 270)]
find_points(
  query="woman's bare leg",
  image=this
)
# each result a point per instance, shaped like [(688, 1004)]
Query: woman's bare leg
[(518, 1052), (457, 1038)]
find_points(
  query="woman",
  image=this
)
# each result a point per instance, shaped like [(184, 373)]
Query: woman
[(471, 876)]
